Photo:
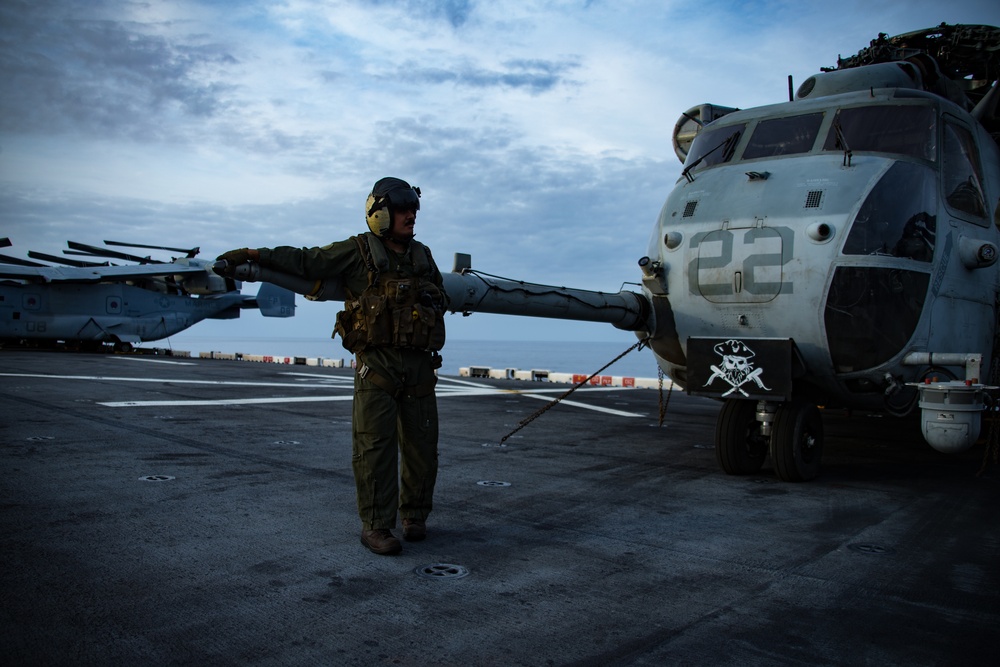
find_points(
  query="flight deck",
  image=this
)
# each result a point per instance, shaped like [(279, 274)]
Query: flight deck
[(164, 510)]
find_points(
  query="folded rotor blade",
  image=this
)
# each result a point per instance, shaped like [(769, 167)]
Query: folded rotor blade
[(63, 260), (188, 252), (96, 251)]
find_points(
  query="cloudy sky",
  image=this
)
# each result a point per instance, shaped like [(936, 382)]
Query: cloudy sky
[(539, 132)]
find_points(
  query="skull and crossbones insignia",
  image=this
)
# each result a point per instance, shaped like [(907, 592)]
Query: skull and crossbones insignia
[(736, 368)]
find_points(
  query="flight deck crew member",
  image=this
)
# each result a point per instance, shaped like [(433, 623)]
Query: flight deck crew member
[(393, 320)]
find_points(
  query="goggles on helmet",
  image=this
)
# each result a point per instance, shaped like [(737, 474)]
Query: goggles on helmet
[(404, 199)]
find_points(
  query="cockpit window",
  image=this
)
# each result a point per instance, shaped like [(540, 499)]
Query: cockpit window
[(899, 216), (783, 136), (713, 146), (962, 175), (904, 130)]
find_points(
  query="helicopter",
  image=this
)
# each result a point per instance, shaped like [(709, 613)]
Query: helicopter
[(837, 249), (85, 304)]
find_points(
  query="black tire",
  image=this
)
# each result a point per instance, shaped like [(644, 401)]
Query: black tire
[(740, 449), (797, 442)]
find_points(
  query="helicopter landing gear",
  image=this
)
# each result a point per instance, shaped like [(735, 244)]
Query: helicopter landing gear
[(797, 441), (740, 441), (791, 432)]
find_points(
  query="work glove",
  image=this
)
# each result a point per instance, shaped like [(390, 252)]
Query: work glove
[(226, 263)]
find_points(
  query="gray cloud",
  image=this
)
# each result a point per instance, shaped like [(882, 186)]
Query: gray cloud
[(536, 76), (65, 74), (110, 80), (456, 12)]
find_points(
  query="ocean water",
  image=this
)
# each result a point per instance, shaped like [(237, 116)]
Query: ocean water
[(553, 356)]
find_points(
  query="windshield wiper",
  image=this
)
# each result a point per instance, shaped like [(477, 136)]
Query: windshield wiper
[(842, 142), (729, 143)]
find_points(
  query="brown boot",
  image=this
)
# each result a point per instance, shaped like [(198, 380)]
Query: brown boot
[(380, 541), (414, 530)]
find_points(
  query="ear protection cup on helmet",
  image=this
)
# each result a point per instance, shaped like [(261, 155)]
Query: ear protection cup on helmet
[(377, 214)]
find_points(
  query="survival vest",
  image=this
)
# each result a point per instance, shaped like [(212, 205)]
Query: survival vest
[(395, 310)]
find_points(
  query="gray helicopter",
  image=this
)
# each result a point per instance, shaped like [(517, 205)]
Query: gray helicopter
[(837, 249), (87, 304)]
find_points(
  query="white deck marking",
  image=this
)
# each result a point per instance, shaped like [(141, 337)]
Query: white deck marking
[(225, 401), (111, 378), (447, 388), (156, 361), (595, 408)]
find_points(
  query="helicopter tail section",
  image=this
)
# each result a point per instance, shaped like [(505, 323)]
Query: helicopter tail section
[(275, 301)]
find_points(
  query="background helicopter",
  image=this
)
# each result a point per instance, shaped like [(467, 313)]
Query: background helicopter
[(88, 303), (837, 249)]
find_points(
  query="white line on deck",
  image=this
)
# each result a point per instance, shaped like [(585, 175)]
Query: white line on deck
[(156, 361), (447, 388)]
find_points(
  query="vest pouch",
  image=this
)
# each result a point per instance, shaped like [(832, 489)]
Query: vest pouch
[(352, 336), (401, 294), (377, 319), (423, 321), (429, 328)]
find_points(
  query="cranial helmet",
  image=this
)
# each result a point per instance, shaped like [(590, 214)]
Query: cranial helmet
[(389, 195)]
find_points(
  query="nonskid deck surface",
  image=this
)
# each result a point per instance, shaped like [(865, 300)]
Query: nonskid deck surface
[(188, 511)]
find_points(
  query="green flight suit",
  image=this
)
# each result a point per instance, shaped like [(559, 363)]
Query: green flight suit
[(383, 423)]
